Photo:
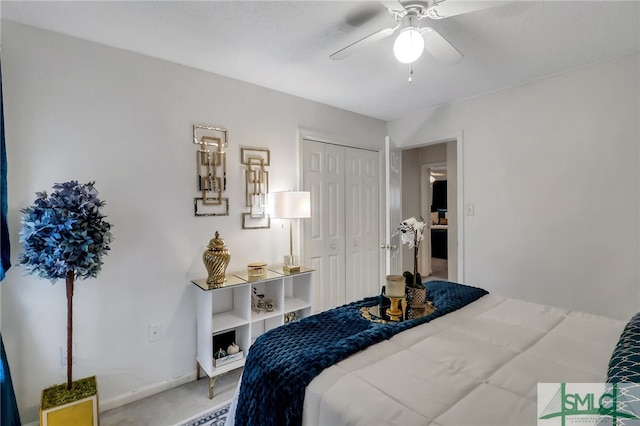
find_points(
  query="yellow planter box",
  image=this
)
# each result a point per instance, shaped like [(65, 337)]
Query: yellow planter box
[(80, 412)]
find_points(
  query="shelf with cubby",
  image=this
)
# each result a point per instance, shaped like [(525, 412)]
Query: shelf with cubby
[(226, 310)]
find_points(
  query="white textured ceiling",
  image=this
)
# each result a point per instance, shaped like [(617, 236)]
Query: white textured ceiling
[(285, 45)]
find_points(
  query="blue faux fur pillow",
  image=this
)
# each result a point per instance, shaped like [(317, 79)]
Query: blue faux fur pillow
[(624, 365)]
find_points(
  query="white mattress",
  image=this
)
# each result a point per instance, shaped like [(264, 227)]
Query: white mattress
[(479, 365)]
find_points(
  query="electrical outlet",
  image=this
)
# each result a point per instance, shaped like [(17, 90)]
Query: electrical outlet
[(155, 332), (63, 354)]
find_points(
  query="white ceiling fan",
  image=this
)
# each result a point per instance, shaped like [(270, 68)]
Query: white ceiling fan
[(413, 38)]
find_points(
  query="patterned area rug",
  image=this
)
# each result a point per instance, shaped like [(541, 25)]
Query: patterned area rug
[(214, 417)]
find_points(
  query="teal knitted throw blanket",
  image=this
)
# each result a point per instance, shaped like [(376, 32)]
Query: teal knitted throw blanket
[(283, 361)]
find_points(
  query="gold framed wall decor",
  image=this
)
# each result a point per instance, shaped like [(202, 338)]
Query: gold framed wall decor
[(211, 163), (256, 161)]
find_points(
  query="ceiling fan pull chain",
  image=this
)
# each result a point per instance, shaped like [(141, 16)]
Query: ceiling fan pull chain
[(410, 72)]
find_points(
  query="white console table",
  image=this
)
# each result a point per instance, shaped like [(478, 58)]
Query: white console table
[(225, 307)]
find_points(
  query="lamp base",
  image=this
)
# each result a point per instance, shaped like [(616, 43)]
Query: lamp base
[(291, 263)]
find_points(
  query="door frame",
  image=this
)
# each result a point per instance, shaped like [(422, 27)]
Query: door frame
[(459, 139)]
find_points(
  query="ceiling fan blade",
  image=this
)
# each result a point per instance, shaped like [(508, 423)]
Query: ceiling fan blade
[(363, 42), (393, 5), (440, 48), (447, 8)]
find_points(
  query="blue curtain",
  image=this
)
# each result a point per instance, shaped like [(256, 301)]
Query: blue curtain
[(4, 230), (9, 415)]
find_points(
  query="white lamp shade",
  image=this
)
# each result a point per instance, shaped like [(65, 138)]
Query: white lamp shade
[(290, 204), (408, 46)]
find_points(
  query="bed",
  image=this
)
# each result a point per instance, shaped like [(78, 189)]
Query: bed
[(477, 365)]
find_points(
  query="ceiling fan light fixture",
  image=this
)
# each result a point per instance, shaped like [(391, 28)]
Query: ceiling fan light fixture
[(409, 45)]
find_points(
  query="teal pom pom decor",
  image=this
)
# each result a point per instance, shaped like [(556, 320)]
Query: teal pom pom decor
[(65, 232)]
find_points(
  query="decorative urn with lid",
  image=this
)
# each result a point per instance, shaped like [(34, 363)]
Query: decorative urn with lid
[(216, 259)]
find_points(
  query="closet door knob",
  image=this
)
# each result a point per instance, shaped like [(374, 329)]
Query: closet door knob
[(333, 246), (355, 243)]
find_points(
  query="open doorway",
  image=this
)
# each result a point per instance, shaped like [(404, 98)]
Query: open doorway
[(426, 169), (433, 194)]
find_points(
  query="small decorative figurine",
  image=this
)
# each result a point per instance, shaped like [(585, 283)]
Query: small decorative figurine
[(291, 317), (233, 349), (258, 302)]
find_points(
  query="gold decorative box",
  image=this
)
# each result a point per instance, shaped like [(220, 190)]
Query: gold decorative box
[(257, 269)]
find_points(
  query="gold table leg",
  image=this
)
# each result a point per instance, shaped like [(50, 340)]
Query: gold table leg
[(212, 380)]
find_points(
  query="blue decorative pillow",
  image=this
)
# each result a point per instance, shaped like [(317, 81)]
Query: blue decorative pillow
[(624, 365)]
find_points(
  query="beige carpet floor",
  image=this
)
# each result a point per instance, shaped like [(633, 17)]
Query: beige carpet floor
[(439, 268), (175, 405)]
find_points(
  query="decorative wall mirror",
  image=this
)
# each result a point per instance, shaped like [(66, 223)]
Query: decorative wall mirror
[(256, 161), (211, 161)]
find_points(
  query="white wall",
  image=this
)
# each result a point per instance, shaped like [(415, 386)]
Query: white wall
[(79, 110), (552, 169), (436, 153)]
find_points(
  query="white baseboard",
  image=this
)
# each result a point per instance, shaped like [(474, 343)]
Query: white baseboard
[(118, 401), (141, 393)]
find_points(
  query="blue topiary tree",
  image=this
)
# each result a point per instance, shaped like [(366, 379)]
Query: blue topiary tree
[(64, 237)]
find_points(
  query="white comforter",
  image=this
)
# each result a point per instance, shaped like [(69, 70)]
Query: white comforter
[(479, 365)]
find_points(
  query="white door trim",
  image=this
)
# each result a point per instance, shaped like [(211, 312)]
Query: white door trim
[(460, 196)]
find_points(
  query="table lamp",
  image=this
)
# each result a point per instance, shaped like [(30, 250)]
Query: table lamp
[(291, 205)]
